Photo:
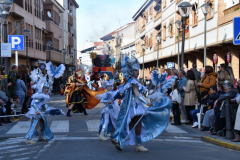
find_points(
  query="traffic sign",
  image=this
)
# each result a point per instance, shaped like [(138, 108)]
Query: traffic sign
[(170, 65), (228, 57), (17, 42), (6, 50), (236, 30), (215, 58), (42, 66)]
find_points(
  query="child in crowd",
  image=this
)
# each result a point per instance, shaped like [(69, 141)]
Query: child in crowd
[(176, 100), (212, 97), (16, 105), (204, 101)]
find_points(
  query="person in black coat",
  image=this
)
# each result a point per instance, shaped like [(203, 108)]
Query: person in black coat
[(219, 107)]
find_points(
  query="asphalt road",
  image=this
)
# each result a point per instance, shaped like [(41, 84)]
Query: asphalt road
[(74, 139)]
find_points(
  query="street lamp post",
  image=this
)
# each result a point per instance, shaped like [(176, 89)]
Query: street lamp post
[(49, 43), (6, 6), (143, 50), (26, 34), (0, 35), (205, 9), (158, 41), (178, 25), (64, 53), (184, 10)]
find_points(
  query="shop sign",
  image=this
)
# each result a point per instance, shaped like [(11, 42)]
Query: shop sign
[(215, 58), (68, 60)]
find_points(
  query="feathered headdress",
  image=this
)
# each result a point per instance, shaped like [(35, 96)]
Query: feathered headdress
[(129, 65), (158, 79), (106, 83), (40, 80)]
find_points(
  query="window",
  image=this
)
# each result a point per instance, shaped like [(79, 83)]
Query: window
[(170, 28), (211, 12), (164, 3), (195, 14), (164, 31)]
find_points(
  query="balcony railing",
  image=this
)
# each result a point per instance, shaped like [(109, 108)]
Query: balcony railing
[(232, 9), (45, 48)]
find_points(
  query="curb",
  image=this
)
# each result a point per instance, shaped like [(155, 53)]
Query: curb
[(221, 143)]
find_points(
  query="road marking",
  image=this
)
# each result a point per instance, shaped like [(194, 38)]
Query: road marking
[(93, 125), (60, 126), (178, 140), (20, 127), (44, 148), (174, 129)]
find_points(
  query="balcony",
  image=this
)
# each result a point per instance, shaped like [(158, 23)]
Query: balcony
[(157, 16), (70, 40), (17, 11), (229, 14), (142, 28), (70, 19), (53, 28), (55, 56)]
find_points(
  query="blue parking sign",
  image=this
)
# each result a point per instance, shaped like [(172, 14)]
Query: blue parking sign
[(17, 42), (170, 65), (236, 30)]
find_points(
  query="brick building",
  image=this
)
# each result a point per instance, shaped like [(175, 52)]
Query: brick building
[(159, 16)]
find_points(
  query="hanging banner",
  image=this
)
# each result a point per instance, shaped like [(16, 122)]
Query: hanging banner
[(6, 50)]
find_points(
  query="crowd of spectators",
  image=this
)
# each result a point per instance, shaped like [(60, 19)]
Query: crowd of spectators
[(206, 89), (19, 91)]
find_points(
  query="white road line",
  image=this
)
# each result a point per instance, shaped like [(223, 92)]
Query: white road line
[(60, 126), (174, 129), (22, 154), (9, 147), (22, 158), (93, 125), (20, 127), (44, 148)]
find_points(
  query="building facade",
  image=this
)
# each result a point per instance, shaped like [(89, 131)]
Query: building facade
[(45, 20), (159, 16)]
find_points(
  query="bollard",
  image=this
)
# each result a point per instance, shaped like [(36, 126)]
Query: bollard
[(229, 125)]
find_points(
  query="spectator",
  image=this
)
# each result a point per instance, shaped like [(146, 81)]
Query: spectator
[(169, 74), (21, 88), (56, 84), (12, 81), (218, 68), (230, 71), (208, 79), (204, 101), (3, 101), (2, 78), (185, 70), (223, 67), (16, 105), (176, 100), (182, 82), (223, 76), (190, 94), (209, 117), (219, 107), (162, 70), (237, 123), (196, 73)]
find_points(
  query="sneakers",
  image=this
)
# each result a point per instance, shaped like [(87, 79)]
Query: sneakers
[(195, 124), (102, 137), (140, 148), (184, 121), (28, 141)]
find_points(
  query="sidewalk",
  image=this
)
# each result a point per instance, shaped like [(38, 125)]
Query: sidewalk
[(214, 139)]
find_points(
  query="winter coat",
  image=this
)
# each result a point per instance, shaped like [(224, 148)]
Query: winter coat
[(190, 95), (208, 81), (182, 82), (237, 121)]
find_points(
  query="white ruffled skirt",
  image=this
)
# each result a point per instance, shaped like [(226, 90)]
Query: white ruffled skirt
[(137, 108)]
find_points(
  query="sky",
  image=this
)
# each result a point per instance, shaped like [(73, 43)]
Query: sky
[(97, 18)]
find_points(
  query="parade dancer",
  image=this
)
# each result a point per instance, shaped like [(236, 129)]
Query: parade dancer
[(77, 100), (110, 110), (39, 107), (79, 96), (137, 123)]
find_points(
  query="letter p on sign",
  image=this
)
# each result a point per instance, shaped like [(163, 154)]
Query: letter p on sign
[(17, 42)]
